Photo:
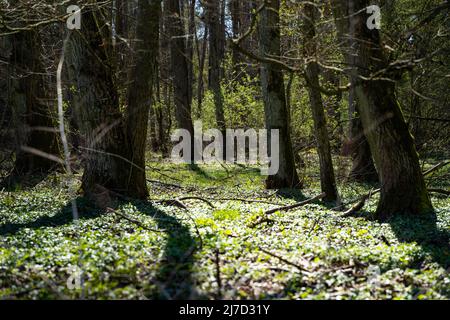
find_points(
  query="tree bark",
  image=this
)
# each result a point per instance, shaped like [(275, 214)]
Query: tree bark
[(37, 136), (363, 167), (275, 107), (140, 91), (403, 188), (216, 55), (107, 160), (327, 178), (179, 68)]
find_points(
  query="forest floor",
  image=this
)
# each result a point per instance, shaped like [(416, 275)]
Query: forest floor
[(224, 249)]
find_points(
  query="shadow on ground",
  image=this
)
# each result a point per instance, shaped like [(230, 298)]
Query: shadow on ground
[(174, 276), (425, 232), (14, 181)]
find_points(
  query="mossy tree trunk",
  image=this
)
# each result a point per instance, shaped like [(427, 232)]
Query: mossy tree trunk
[(275, 107), (403, 187), (108, 159)]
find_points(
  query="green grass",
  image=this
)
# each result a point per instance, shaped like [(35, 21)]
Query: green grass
[(167, 252)]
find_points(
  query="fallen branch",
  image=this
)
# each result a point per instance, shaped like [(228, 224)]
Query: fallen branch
[(198, 198), (299, 267), (243, 200), (442, 191), (165, 183), (436, 167), (299, 204), (358, 206), (172, 203), (140, 224), (362, 200), (261, 221)]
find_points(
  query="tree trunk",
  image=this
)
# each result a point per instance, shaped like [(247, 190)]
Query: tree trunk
[(235, 8), (37, 136), (201, 68), (403, 188), (275, 107), (216, 55), (107, 164), (179, 68), (327, 179), (190, 47), (140, 91), (363, 168)]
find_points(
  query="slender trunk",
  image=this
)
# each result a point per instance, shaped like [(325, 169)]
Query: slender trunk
[(235, 12), (327, 179), (140, 91), (201, 69), (275, 106), (179, 68), (190, 48), (216, 50), (403, 188)]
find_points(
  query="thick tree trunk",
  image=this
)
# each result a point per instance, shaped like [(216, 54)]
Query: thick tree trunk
[(403, 188), (140, 91), (327, 178), (37, 136), (276, 113), (107, 164)]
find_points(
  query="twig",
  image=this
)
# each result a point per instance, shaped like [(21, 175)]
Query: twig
[(165, 183), (218, 277), (299, 267), (290, 207)]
